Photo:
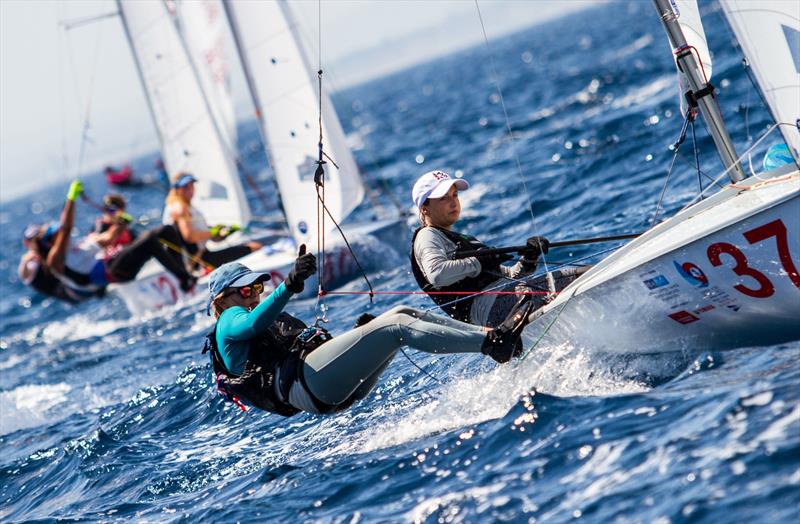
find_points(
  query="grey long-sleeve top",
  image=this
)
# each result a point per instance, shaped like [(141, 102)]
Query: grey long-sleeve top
[(432, 250)]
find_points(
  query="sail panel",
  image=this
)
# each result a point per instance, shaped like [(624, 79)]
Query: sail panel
[(203, 24), (285, 92), (190, 139), (769, 34)]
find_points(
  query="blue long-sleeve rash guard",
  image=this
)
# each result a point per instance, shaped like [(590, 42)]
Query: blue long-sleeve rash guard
[(236, 326)]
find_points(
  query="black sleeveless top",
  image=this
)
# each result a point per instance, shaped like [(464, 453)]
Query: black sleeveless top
[(457, 305)]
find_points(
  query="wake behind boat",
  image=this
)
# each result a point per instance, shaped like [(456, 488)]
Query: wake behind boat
[(722, 273)]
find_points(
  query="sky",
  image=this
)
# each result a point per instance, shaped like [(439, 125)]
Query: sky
[(51, 78)]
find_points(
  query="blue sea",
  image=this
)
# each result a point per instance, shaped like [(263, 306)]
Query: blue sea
[(109, 415)]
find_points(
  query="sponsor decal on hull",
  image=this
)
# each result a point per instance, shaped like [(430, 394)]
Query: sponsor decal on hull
[(692, 274), (683, 317)]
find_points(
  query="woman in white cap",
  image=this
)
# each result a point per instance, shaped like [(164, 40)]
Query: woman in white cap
[(273, 361), (193, 228), (438, 271)]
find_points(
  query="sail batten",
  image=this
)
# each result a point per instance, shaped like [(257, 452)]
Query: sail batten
[(191, 140)]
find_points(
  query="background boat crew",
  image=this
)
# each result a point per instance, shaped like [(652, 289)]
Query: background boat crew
[(38, 239), (194, 230), (435, 243), (277, 363), (85, 268), (112, 229)]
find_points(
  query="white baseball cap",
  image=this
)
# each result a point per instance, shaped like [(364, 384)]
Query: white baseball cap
[(435, 184)]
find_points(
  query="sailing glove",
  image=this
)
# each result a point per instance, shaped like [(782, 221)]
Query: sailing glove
[(535, 246), (75, 190), (364, 318), (221, 232), (124, 218), (489, 261), (304, 266)]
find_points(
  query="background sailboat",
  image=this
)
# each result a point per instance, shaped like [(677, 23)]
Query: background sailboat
[(722, 273), (192, 140)]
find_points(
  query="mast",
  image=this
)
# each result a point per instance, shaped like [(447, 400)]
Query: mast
[(701, 92)]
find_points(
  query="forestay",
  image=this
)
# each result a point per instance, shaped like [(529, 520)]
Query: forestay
[(283, 85), (190, 138), (769, 34), (203, 24)]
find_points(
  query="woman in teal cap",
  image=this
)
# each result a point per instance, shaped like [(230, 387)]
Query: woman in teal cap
[(273, 361)]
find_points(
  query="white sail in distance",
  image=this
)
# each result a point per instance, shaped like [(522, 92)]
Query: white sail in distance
[(283, 85), (768, 32), (203, 24), (190, 138)]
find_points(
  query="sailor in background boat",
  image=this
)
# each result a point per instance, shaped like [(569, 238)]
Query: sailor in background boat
[(112, 229), (85, 268), (194, 230), (38, 239), (275, 362)]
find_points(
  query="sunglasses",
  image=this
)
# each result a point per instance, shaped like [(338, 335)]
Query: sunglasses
[(248, 291)]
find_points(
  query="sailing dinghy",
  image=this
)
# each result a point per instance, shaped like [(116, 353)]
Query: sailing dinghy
[(723, 272), (192, 141)]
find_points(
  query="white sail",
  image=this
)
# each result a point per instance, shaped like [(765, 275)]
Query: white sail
[(203, 24), (769, 34), (190, 138), (283, 85)]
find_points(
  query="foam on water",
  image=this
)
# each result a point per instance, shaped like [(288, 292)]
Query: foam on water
[(31, 405)]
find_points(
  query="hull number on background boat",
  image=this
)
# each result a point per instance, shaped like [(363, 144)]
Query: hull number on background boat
[(765, 288)]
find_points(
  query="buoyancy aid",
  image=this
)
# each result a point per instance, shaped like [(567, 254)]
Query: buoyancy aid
[(44, 282), (457, 306), (280, 348)]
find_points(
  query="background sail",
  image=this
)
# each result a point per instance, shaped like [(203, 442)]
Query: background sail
[(284, 88), (203, 24), (769, 34), (190, 138)]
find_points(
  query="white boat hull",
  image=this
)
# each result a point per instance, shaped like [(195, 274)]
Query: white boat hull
[(721, 274), (155, 288)]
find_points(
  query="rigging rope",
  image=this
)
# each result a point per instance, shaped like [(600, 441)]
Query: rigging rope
[(319, 183), (690, 115), (496, 79)]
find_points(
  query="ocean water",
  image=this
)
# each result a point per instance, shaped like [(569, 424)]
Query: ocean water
[(108, 415)]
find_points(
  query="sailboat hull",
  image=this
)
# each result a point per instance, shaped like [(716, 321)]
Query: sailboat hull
[(720, 275)]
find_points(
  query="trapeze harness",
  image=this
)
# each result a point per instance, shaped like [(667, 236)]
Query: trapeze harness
[(274, 363), (456, 305)]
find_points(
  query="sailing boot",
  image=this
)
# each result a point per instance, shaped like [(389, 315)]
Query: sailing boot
[(187, 283), (505, 341)]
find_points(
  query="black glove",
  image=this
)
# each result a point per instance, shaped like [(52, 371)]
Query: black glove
[(492, 260), (304, 266), (534, 247), (364, 319)]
